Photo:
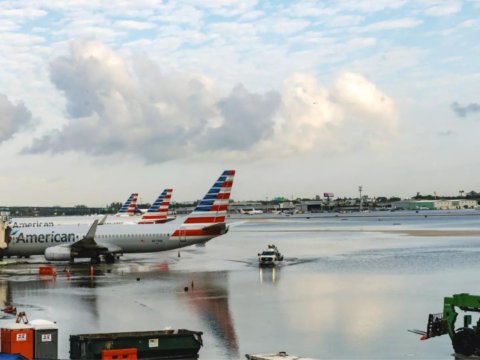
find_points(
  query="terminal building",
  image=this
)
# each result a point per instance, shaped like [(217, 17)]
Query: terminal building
[(435, 204)]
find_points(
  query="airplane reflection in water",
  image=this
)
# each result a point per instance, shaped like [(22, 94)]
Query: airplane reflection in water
[(209, 299), (5, 295), (116, 288)]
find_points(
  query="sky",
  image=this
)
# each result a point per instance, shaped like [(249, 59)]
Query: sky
[(100, 99)]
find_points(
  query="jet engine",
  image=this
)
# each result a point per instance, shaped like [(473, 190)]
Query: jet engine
[(59, 253)]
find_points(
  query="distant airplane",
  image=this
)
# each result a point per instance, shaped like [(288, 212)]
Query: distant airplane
[(64, 243), (154, 210), (158, 210), (128, 209), (251, 211)]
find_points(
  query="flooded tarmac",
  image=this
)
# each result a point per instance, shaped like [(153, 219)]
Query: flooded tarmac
[(348, 293)]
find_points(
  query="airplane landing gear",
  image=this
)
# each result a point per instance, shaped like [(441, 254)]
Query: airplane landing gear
[(109, 259), (95, 260)]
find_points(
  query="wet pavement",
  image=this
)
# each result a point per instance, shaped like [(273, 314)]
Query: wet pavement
[(337, 295)]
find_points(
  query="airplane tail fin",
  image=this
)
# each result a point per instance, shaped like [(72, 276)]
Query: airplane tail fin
[(241, 211), (129, 207), (213, 208), (159, 209)]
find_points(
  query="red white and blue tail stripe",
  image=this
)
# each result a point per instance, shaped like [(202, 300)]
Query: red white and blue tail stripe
[(129, 207), (159, 210), (213, 208)]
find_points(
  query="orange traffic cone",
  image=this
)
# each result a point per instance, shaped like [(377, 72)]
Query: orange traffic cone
[(68, 273), (54, 273), (91, 270)]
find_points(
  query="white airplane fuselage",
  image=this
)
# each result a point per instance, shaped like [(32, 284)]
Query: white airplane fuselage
[(15, 223), (251, 212), (115, 238)]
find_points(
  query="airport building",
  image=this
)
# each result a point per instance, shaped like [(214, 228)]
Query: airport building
[(309, 206), (436, 204)]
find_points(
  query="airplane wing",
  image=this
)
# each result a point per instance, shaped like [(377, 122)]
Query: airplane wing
[(103, 220), (88, 242)]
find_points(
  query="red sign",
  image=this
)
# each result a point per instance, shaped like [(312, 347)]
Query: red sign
[(328, 195)]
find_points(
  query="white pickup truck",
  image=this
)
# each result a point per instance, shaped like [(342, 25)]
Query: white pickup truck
[(270, 256)]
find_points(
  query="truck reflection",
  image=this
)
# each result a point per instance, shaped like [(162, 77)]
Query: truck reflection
[(268, 274)]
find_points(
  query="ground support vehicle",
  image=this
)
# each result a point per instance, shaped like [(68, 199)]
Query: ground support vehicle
[(465, 339), (270, 256)]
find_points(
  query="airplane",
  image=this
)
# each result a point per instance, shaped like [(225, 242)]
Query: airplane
[(251, 211), (67, 243), (103, 220), (157, 214), (128, 209)]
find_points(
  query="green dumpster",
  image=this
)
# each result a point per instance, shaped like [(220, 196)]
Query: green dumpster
[(163, 344)]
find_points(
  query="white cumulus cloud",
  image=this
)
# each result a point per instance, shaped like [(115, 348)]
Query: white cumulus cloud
[(389, 25), (13, 118), (361, 96), (120, 108), (444, 8), (133, 25)]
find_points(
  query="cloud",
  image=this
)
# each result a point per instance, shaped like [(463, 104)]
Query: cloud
[(248, 119), (251, 15), (389, 25), (463, 111), (123, 108), (471, 23), (281, 25), (445, 8), (133, 25), (345, 20), (182, 14), (13, 118), (8, 25), (361, 96), (26, 13), (447, 133), (368, 6), (225, 7)]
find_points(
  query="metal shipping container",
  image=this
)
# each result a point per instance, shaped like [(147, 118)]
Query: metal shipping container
[(165, 344)]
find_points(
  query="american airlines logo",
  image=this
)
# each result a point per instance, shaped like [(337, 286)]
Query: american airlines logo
[(44, 238), (34, 224)]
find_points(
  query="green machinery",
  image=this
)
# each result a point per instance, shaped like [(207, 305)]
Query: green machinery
[(466, 339)]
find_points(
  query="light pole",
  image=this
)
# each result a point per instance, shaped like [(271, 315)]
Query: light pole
[(361, 200)]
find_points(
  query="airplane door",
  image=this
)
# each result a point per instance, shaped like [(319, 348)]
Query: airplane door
[(183, 234)]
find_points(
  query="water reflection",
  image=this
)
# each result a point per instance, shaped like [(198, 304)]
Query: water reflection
[(269, 274), (5, 294), (209, 299)]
